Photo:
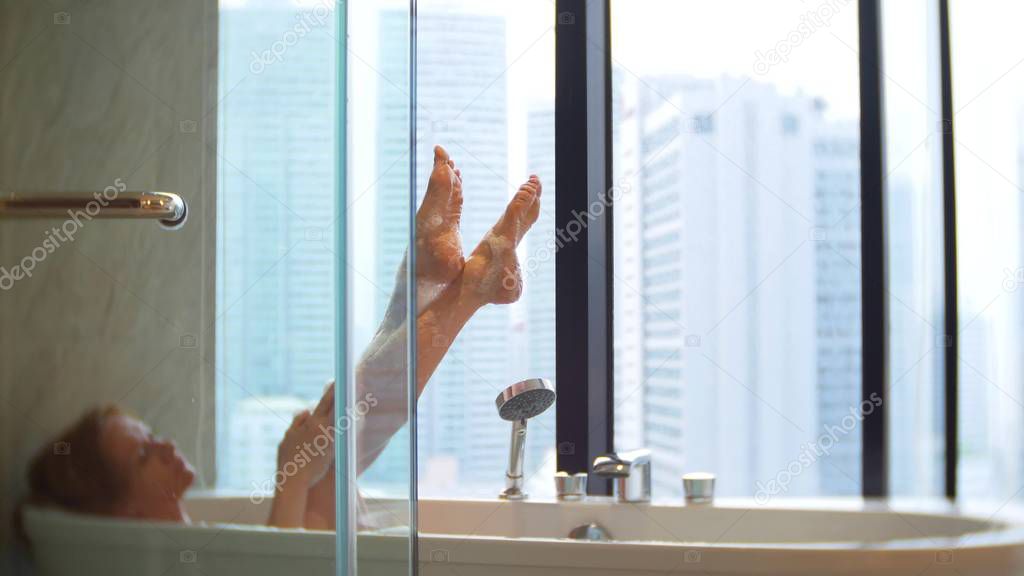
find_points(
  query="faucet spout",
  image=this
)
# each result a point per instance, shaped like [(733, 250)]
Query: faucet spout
[(631, 471)]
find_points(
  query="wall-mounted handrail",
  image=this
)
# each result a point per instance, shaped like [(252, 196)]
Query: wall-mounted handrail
[(167, 207)]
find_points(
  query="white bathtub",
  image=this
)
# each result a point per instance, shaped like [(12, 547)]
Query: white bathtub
[(528, 539)]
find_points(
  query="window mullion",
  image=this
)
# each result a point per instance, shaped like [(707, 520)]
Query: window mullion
[(875, 373), (949, 255), (583, 262)]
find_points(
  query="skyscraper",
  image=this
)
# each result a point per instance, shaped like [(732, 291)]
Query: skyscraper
[(837, 279), (736, 334), (275, 268)]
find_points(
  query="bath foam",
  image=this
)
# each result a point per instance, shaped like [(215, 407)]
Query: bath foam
[(433, 222), (382, 370), (426, 292), (499, 247), (435, 239)]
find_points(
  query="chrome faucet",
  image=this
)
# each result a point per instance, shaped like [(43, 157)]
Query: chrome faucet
[(631, 471)]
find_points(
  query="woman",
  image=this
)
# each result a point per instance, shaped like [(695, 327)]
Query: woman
[(117, 467)]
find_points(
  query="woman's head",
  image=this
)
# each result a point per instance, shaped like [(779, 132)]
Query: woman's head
[(110, 463)]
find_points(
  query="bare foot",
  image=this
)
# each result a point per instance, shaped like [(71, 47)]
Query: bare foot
[(492, 271), (438, 243)]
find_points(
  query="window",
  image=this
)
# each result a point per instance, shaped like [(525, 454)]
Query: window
[(988, 103), (737, 243), (737, 254), (275, 231), (914, 196), (485, 91)]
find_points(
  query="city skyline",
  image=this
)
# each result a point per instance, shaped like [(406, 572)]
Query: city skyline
[(445, 448), (277, 345)]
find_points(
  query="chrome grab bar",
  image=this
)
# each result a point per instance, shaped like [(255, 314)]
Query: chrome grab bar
[(167, 207)]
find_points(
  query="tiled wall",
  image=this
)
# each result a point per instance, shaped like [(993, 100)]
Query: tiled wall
[(93, 93)]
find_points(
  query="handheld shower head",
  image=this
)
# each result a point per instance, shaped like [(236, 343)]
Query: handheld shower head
[(526, 399), (518, 403)]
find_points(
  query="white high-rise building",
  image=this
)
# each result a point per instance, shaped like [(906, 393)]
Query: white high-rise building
[(627, 265), (720, 296), (838, 283)]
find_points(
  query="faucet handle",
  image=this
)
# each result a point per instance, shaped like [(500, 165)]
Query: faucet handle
[(699, 487), (570, 487)]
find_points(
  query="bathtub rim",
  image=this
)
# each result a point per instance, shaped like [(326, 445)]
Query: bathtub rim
[(1003, 544), (1007, 529)]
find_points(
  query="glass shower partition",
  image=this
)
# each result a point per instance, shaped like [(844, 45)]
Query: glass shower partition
[(271, 140), (314, 222), (376, 203)]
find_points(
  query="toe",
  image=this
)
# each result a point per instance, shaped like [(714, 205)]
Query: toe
[(300, 418), (456, 184), (523, 199), (512, 221), (455, 204), (533, 212), (526, 195), (440, 155), (530, 191)]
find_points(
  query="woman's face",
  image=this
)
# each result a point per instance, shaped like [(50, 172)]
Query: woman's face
[(153, 471)]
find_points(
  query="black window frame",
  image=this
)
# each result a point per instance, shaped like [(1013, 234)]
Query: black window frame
[(583, 266), (584, 367)]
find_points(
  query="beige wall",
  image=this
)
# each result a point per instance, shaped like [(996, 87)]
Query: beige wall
[(111, 95)]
